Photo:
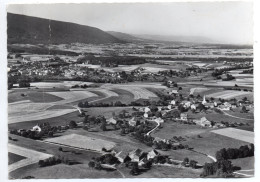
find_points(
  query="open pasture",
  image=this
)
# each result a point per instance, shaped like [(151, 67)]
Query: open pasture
[(197, 90), (30, 156), (81, 141), (26, 107), (170, 129), (32, 95), (139, 91), (37, 115), (228, 94), (246, 136), (210, 143), (72, 96), (13, 158), (58, 84)]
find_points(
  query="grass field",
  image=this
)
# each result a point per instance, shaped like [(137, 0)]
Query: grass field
[(229, 94), (66, 117), (245, 163), (81, 141), (31, 156), (212, 116), (139, 92), (13, 158), (63, 171), (72, 96), (210, 143), (34, 96), (237, 134), (171, 129)]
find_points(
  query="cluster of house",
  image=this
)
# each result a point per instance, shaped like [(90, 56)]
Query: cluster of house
[(136, 155)]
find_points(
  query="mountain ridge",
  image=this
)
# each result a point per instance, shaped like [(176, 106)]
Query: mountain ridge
[(28, 29)]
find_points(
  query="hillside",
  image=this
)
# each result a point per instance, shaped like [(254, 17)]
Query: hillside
[(26, 30)]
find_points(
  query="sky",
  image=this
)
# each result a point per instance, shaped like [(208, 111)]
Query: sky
[(223, 22)]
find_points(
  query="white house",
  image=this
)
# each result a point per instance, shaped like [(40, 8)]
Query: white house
[(111, 121), (132, 122), (173, 102), (184, 116), (203, 122)]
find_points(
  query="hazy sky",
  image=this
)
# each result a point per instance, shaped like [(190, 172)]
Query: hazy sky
[(227, 22)]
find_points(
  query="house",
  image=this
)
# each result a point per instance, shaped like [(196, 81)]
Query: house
[(184, 116), (186, 104), (225, 107), (132, 122), (152, 154), (159, 120), (209, 105), (122, 157), (169, 107), (175, 92), (227, 104), (36, 128), (147, 109), (173, 102), (136, 155), (145, 115), (203, 122), (111, 121), (193, 107)]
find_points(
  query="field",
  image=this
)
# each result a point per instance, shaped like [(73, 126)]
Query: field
[(81, 141), (58, 84), (34, 96), (238, 134), (210, 143), (197, 90), (13, 158), (63, 171), (31, 156), (72, 96), (139, 91), (229, 94), (169, 130)]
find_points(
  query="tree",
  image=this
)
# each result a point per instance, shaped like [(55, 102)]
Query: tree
[(103, 126), (60, 149), (72, 124), (244, 110), (80, 104), (180, 88), (193, 164)]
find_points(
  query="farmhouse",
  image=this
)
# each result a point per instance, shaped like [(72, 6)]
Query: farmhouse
[(203, 122), (36, 128), (152, 154), (111, 121), (136, 155), (132, 122), (175, 92), (193, 107), (173, 102), (184, 116)]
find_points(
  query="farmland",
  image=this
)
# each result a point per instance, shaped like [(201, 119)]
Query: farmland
[(238, 134), (229, 94), (80, 141), (112, 107)]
